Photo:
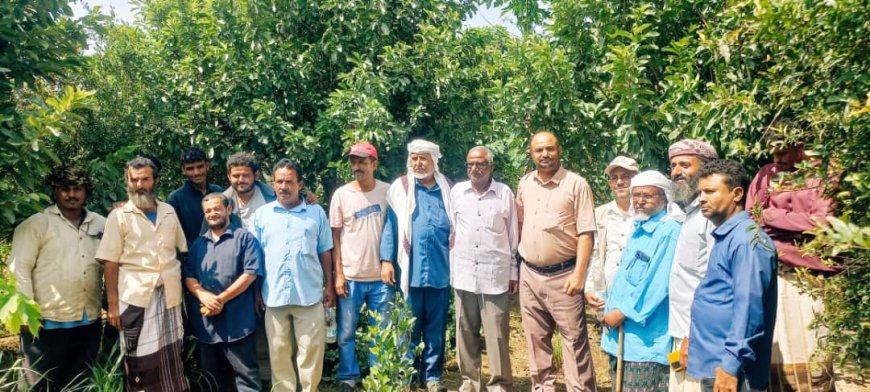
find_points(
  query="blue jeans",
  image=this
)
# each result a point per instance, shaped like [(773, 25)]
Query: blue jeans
[(429, 306), (376, 296)]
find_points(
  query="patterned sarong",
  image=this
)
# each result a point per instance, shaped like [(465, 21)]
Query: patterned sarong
[(641, 376), (152, 346)]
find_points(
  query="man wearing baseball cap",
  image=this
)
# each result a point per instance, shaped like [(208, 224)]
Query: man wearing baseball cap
[(693, 247), (356, 215), (614, 225)]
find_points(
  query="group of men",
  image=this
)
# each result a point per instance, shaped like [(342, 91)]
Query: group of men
[(262, 263)]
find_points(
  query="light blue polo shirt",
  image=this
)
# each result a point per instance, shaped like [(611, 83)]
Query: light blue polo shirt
[(292, 240)]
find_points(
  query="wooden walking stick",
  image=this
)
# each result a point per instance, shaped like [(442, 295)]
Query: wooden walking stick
[(618, 380)]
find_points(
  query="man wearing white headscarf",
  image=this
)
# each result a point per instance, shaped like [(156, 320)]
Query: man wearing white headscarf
[(638, 300), (416, 242)]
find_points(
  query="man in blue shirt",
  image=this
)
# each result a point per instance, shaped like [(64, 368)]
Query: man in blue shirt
[(297, 243), (218, 273), (734, 309), (638, 300), (417, 238), (187, 199)]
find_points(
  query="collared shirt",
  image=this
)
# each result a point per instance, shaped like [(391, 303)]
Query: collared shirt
[(690, 266), (216, 265), (735, 306), (485, 238), (245, 213), (640, 292), (430, 239), (788, 210), (187, 201), (292, 240), (146, 253), (613, 227), (553, 214), (360, 216), (53, 262)]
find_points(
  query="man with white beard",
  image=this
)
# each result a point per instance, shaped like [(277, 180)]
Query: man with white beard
[(693, 246), (417, 238), (143, 282)]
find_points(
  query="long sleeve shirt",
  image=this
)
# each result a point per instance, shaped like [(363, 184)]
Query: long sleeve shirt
[(486, 239), (640, 292), (787, 211), (689, 267), (734, 311), (613, 228), (430, 239), (53, 262)]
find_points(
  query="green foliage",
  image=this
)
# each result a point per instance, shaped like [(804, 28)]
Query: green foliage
[(107, 373), (389, 342)]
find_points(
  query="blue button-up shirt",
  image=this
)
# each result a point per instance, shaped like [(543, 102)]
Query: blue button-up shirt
[(216, 265), (430, 239), (734, 310), (187, 202), (292, 241), (640, 291)]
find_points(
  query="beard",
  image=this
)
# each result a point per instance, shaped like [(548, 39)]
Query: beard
[(219, 224), (641, 216), (423, 176), (143, 199), (685, 191)]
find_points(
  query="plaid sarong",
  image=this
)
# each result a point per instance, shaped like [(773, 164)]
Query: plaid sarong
[(152, 346), (641, 376)]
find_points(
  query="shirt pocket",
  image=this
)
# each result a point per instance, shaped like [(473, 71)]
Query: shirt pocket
[(637, 268), (494, 218)]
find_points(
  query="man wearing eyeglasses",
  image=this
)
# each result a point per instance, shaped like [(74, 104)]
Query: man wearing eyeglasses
[(613, 227), (484, 272)]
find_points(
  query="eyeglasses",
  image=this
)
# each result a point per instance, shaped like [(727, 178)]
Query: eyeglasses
[(624, 177), (477, 164), (645, 196)]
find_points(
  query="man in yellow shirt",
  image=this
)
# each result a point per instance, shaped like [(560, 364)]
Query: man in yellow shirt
[(53, 262), (143, 282)]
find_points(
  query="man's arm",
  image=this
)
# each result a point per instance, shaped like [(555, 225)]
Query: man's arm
[(205, 297), (25, 250), (576, 282), (388, 248), (513, 240), (638, 301), (110, 274), (752, 270), (340, 282), (329, 283)]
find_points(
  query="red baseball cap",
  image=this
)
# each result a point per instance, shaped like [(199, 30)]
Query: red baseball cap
[(363, 149)]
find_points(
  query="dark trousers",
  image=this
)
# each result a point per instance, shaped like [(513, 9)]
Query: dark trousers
[(230, 366), (429, 306), (59, 357)]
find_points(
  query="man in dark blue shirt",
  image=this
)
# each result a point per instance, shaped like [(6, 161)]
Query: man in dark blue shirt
[(734, 310), (187, 199), (218, 273)]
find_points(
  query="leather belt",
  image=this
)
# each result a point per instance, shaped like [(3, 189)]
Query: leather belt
[(552, 269)]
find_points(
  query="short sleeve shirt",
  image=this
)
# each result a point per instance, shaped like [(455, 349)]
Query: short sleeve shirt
[(553, 214), (146, 253), (360, 215)]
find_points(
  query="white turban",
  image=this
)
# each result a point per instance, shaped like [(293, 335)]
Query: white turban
[(658, 180), (420, 146)]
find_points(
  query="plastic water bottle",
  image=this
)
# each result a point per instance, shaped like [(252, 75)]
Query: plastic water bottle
[(331, 326)]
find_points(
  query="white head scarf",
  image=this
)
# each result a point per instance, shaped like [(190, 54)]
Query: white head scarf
[(420, 146), (658, 180)]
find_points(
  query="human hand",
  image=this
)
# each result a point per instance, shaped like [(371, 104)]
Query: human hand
[(724, 382), (329, 297), (388, 273), (574, 285), (513, 287), (340, 285), (594, 300), (613, 318), (114, 316), (684, 353)]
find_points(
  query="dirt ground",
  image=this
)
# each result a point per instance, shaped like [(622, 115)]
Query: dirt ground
[(520, 358)]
